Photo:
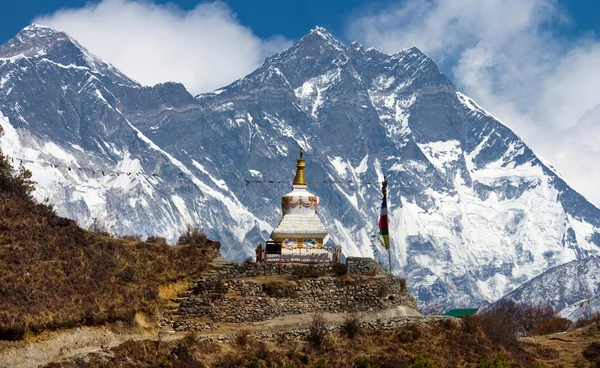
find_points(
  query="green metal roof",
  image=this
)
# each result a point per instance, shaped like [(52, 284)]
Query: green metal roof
[(461, 312)]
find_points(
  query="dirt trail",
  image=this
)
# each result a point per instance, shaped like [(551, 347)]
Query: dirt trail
[(71, 343)]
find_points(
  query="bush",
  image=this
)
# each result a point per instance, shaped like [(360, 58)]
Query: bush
[(470, 324), (419, 361), (592, 353), (408, 334), (193, 236), (219, 289), (351, 326), (498, 361), (13, 181), (242, 338), (554, 325), (595, 318), (132, 237), (362, 362), (156, 240), (317, 331)]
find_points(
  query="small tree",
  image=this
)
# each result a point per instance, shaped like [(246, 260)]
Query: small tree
[(15, 181)]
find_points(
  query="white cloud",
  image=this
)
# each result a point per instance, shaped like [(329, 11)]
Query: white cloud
[(204, 48), (505, 54)]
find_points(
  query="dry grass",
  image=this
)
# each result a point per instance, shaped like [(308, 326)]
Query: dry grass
[(57, 275), (434, 345), (563, 349)]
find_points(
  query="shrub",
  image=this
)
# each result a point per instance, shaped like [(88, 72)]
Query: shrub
[(551, 326), (219, 289), (317, 331), (362, 362), (156, 240), (470, 324), (419, 361), (193, 236), (132, 237), (15, 181), (498, 361), (394, 362), (595, 318), (408, 334), (592, 353), (351, 326), (531, 316), (242, 338)]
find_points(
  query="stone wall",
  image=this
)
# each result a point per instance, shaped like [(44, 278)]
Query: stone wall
[(365, 266), (218, 299), (387, 324), (251, 269)]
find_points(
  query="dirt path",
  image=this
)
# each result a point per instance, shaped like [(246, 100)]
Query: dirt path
[(71, 343)]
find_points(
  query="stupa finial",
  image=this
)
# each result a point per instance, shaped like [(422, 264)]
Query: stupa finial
[(300, 179)]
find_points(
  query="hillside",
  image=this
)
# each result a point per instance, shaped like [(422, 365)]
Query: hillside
[(56, 275)]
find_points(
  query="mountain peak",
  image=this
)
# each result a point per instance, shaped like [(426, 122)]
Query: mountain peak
[(321, 32), (44, 43), (320, 36), (35, 39)]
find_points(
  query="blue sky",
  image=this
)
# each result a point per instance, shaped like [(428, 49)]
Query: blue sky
[(290, 18), (534, 64)]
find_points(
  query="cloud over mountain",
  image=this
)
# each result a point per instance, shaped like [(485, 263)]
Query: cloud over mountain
[(204, 48)]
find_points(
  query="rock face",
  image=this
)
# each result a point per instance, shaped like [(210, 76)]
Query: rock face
[(473, 211), (561, 286)]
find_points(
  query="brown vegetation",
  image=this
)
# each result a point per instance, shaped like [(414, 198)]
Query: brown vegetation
[(55, 274), (431, 345)]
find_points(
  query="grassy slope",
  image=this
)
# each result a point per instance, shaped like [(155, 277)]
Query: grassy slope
[(436, 344), (54, 274)]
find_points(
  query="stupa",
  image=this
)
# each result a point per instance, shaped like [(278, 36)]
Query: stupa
[(300, 231)]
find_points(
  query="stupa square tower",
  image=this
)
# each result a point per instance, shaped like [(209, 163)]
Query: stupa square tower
[(300, 230)]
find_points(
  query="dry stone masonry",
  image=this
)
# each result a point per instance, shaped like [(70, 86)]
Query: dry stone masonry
[(249, 292)]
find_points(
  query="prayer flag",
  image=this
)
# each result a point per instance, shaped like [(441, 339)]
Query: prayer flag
[(384, 234)]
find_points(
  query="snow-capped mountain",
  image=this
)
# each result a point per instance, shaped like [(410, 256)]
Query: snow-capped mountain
[(568, 287), (474, 212)]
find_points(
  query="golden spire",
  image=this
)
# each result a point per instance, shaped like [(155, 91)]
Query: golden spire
[(300, 179)]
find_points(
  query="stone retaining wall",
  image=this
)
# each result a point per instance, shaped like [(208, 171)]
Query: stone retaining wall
[(251, 292), (365, 266), (237, 301), (300, 333)]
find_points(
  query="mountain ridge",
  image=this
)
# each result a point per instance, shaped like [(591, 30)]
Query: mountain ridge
[(475, 211)]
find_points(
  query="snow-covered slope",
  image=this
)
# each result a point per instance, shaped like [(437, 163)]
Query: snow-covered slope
[(63, 106), (474, 213), (564, 287), (583, 309)]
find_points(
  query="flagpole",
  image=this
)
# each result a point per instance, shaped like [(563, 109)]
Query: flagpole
[(387, 243)]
